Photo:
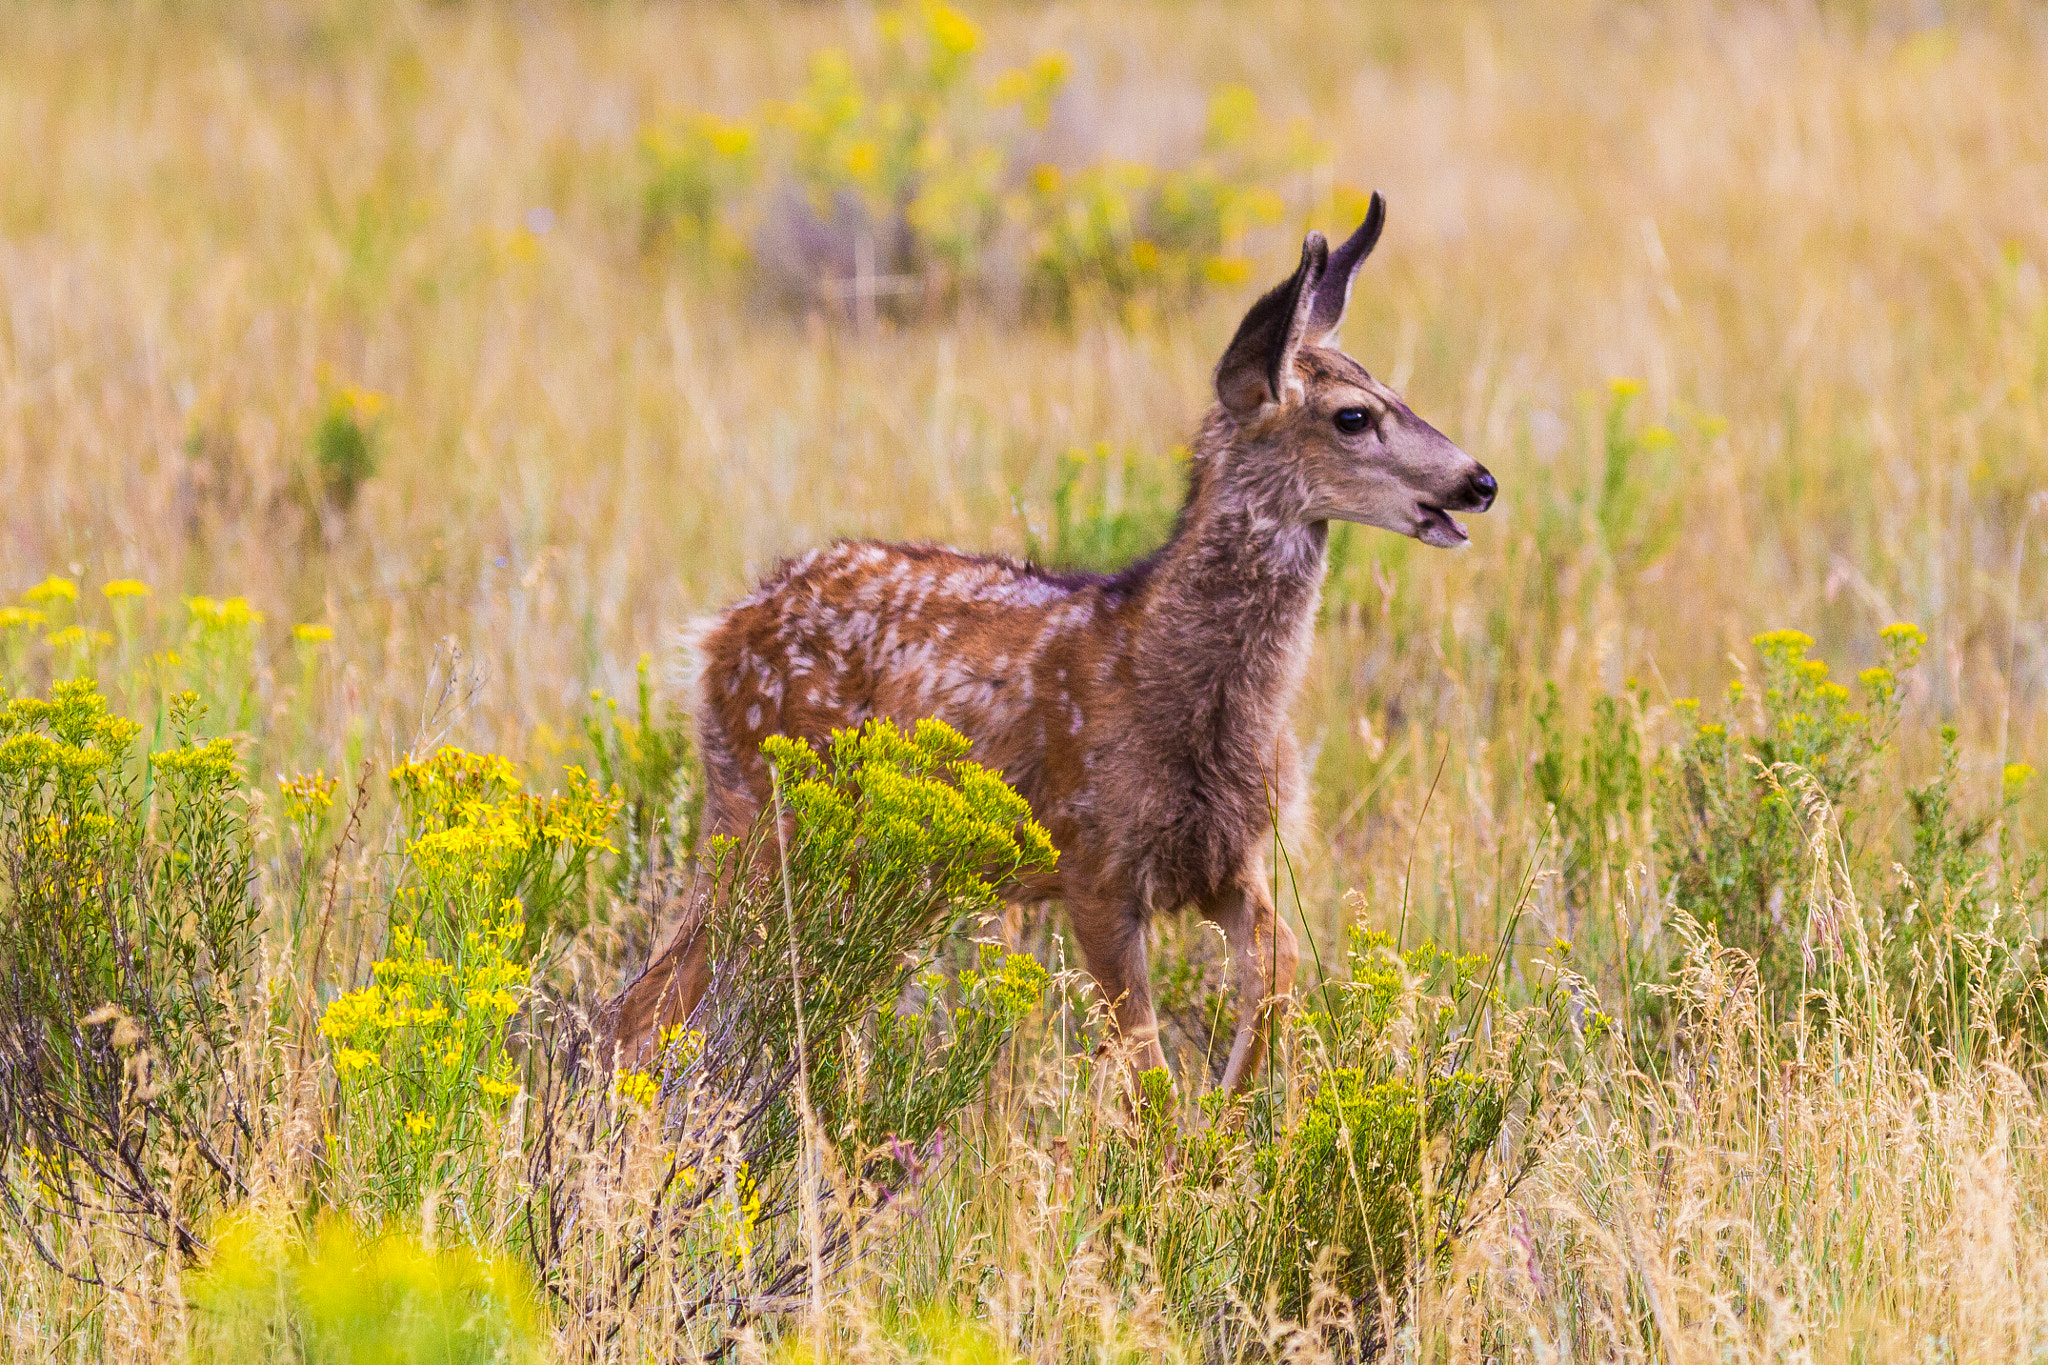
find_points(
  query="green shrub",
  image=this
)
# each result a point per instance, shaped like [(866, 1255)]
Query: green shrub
[(695, 165), (1734, 827), (1123, 234), (1596, 801), (1635, 504), (1961, 917), (920, 1064), (1407, 1096), (219, 656), (421, 1053), (126, 883), (345, 445)]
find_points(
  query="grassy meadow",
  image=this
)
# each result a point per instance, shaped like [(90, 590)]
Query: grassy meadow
[(385, 388)]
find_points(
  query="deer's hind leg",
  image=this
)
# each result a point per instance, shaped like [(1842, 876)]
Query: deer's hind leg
[(668, 991), (1263, 958)]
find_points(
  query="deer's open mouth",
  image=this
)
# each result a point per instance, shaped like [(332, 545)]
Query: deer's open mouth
[(1435, 526)]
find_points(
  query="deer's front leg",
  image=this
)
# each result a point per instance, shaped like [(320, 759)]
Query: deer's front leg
[(1112, 938), (1262, 962)]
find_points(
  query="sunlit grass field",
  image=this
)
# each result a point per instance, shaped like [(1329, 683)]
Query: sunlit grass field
[(400, 376)]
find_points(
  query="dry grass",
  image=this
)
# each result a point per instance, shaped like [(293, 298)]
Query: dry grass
[(1819, 226)]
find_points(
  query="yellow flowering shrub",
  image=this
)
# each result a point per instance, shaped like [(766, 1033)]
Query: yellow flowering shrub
[(897, 836), (127, 891), (939, 175), (477, 839), (1731, 829), (420, 1059), (420, 1052)]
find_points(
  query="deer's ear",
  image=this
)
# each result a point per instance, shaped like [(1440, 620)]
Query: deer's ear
[(1258, 367), (1333, 291)]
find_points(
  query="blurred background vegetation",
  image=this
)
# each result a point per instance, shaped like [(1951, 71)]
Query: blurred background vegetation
[(392, 376)]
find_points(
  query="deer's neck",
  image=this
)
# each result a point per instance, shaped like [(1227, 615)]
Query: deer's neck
[(1231, 616)]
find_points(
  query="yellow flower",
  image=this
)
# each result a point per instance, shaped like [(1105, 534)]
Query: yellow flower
[(637, 1087), (76, 637), (125, 587), (227, 613), (497, 1089), (349, 1060), (1233, 116), (52, 589), (354, 1013), (1622, 387), (363, 404), (12, 618), (951, 30), (729, 140), (2017, 775), (1901, 631), (1226, 270), (311, 633), (418, 1124), (680, 1044), (1788, 641), (307, 796), (502, 1003)]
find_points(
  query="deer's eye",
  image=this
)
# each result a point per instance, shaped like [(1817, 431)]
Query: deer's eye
[(1351, 421)]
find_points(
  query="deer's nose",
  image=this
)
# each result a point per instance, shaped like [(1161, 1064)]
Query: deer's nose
[(1483, 486)]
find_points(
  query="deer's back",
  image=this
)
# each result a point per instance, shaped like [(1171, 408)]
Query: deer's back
[(1019, 659)]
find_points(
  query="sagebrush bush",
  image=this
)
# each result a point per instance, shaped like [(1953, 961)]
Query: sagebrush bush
[(1414, 1064), (932, 181), (421, 1053), (1735, 832), (125, 967), (822, 1072), (895, 839)]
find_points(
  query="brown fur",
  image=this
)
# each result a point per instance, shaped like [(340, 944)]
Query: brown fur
[(1143, 714)]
